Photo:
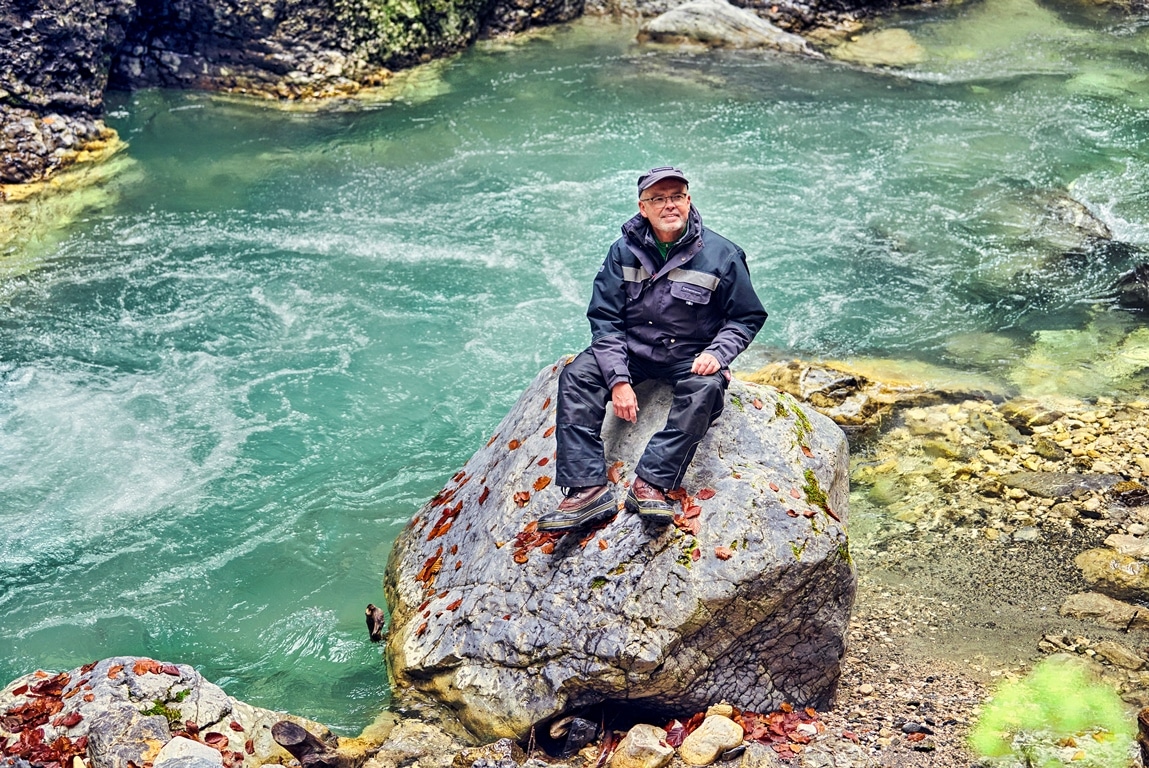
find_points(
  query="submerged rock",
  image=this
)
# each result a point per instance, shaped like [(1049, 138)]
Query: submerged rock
[(719, 24), (1052, 485), (1123, 577), (885, 48), (1105, 611), (863, 393), (745, 599)]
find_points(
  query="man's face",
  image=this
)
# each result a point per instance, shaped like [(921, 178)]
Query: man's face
[(667, 218)]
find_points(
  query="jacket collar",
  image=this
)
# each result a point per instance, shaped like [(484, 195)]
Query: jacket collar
[(639, 236)]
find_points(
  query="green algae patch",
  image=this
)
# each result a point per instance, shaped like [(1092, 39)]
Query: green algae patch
[(814, 493), (173, 716)]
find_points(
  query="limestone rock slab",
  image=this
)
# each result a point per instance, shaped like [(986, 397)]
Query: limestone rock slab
[(719, 24), (509, 630)]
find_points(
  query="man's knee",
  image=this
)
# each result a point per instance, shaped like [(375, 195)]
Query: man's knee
[(582, 391), (581, 373), (698, 401)]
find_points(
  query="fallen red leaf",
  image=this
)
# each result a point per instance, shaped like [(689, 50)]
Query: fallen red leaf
[(454, 606), (215, 740), (541, 483), (115, 670), (915, 736), (602, 544), (485, 493), (774, 487), (550, 431), (422, 628), (695, 554), (806, 450), (613, 474), (458, 564), (521, 498), (705, 493), (249, 746), (53, 686), (757, 403), (21, 690), (543, 461), (235, 726), (546, 403), (89, 697), (513, 445), (494, 437), (521, 557), (675, 733), (67, 720), (795, 494), (723, 553)]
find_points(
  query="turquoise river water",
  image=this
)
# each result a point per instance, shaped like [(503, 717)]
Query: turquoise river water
[(228, 380)]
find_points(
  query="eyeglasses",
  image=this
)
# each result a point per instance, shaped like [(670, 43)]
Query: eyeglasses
[(660, 201)]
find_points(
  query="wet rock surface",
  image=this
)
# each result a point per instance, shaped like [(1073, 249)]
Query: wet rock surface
[(743, 599), (717, 23)]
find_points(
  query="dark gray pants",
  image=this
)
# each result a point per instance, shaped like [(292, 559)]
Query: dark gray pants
[(583, 395)]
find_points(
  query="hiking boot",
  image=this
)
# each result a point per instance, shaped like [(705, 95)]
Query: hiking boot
[(648, 502), (581, 507)]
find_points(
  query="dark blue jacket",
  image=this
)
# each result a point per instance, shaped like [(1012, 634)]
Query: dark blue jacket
[(700, 300)]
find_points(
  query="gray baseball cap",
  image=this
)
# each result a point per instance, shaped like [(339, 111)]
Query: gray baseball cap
[(655, 175)]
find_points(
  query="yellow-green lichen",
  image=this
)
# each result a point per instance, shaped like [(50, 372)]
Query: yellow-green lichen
[(814, 493)]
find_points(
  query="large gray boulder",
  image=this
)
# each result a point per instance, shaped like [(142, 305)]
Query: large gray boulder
[(745, 599), (719, 24)]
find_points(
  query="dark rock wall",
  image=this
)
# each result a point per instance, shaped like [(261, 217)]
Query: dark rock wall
[(508, 16), (54, 54)]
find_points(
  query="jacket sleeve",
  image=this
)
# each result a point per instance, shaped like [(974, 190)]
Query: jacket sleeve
[(745, 315), (607, 315)]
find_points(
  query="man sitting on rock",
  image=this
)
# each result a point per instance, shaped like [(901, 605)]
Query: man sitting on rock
[(673, 301)]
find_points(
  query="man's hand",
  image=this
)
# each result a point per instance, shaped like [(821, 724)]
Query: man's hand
[(705, 364), (624, 401)]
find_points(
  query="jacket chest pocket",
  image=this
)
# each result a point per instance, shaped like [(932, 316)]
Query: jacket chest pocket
[(691, 294)]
